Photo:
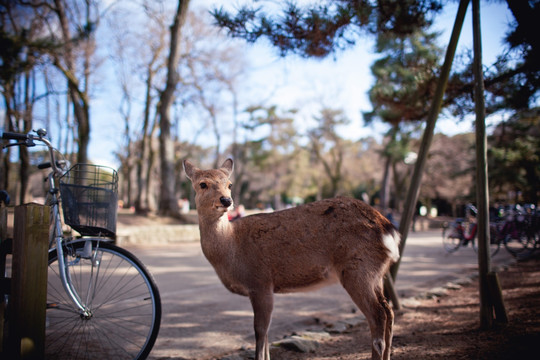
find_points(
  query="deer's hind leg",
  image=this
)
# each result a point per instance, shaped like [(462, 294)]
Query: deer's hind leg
[(389, 327), (366, 291)]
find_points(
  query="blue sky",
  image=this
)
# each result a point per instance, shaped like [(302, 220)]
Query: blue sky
[(339, 82)]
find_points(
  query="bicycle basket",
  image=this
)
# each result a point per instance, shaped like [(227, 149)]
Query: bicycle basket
[(90, 199)]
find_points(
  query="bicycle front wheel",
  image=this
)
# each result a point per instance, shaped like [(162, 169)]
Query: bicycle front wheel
[(521, 246), (123, 305), (494, 245), (494, 241)]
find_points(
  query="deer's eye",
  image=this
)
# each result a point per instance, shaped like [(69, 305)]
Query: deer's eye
[(230, 186), (203, 185)]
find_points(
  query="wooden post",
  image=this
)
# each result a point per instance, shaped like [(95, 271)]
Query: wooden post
[(436, 104), (4, 285), (490, 292), (495, 290), (3, 223), (390, 291), (29, 282)]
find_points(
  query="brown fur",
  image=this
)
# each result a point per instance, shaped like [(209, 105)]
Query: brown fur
[(297, 249)]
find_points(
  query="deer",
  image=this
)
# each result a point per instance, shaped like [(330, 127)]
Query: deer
[(298, 249)]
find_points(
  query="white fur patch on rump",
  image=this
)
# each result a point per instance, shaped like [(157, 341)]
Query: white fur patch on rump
[(391, 242)]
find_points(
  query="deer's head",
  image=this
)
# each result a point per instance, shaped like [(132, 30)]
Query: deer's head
[(212, 187)]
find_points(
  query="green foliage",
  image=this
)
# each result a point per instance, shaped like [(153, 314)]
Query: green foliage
[(405, 78), (405, 81), (515, 156), (272, 151), (329, 148), (316, 30), (513, 81)]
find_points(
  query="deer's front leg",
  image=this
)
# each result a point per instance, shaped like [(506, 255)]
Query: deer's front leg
[(263, 304)]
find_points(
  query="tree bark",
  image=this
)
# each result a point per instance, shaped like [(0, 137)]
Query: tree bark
[(78, 96), (168, 205), (385, 186), (488, 297), (24, 156), (141, 200)]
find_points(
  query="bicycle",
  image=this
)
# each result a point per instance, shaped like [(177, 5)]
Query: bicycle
[(102, 302), (461, 233), (520, 233)]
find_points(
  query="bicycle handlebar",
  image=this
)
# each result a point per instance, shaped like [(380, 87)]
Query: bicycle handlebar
[(59, 164), (28, 140), (16, 136)]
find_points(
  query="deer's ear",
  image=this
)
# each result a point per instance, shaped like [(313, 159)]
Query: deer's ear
[(228, 166), (189, 168)]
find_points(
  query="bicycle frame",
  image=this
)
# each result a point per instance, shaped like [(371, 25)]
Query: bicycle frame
[(93, 279), (461, 230), (56, 237)]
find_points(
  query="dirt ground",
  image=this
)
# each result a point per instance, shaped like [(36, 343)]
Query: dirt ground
[(448, 327)]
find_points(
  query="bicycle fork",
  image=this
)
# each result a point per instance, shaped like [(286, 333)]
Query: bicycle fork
[(84, 310)]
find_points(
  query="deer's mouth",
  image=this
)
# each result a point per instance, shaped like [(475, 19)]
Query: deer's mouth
[(221, 208)]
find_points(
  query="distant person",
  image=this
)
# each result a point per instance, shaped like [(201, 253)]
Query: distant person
[(390, 216), (184, 206), (365, 197), (237, 213)]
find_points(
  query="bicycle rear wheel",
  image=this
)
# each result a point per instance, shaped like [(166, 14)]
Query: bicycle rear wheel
[(450, 241), (122, 298)]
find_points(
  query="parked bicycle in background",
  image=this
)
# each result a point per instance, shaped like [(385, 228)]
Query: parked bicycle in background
[(463, 231), (517, 230), (102, 303)]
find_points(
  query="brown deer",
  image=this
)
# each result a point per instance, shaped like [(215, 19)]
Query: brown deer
[(298, 249)]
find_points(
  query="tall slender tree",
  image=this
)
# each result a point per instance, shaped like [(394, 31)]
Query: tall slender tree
[(272, 152), (24, 46), (329, 147), (77, 41), (168, 204), (405, 78)]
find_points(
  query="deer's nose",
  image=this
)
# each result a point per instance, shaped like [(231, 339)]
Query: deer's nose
[(225, 201)]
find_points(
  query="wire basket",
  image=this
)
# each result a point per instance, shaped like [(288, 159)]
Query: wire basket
[(90, 199)]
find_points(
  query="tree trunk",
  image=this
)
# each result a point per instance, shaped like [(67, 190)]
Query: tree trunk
[(217, 133), (141, 201), (385, 186), (8, 126), (24, 169), (389, 161), (168, 205), (150, 166), (81, 111), (78, 96), (490, 291)]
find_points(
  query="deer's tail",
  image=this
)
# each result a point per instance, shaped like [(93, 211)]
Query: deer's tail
[(391, 239)]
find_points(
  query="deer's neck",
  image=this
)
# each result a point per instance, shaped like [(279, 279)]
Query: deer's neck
[(216, 237)]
